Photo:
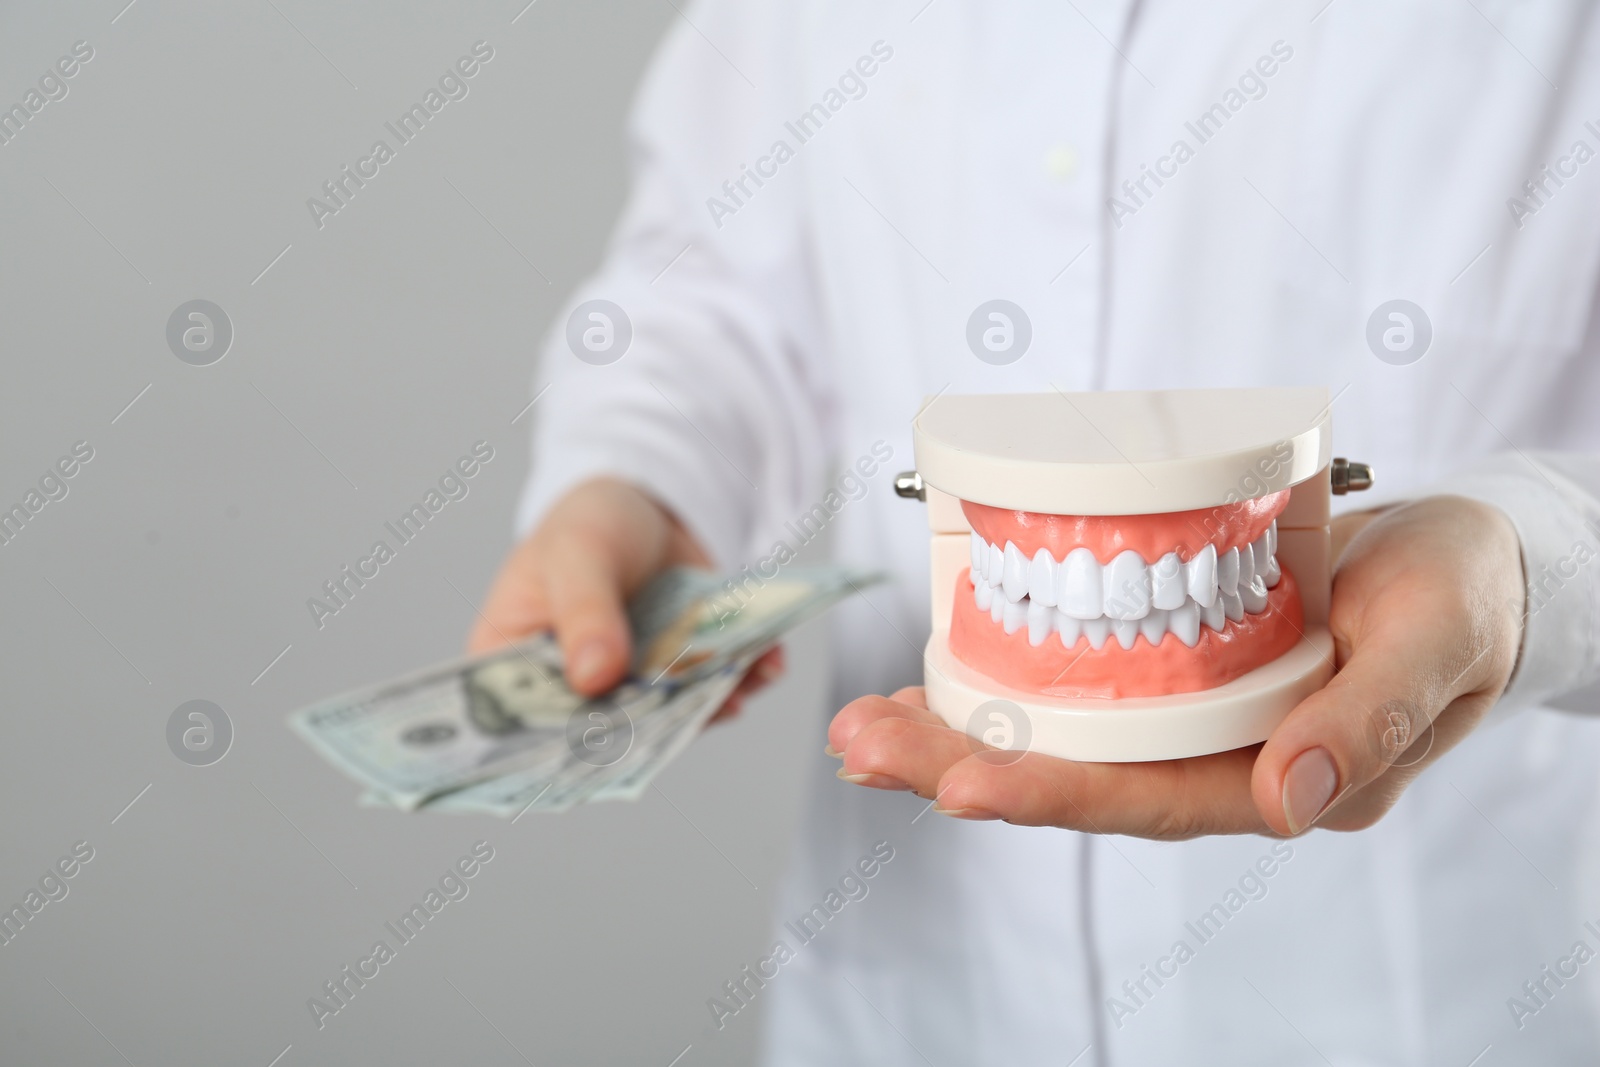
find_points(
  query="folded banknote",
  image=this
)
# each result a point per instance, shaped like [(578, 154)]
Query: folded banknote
[(502, 733)]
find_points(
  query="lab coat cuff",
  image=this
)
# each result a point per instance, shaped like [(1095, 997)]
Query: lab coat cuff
[(1560, 550)]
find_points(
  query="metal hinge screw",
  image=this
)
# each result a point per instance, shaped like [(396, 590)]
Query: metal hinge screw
[(909, 485), (1349, 477)]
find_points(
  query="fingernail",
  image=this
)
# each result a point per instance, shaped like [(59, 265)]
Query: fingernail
[(587, 662), (1308, 787), (874, 781), (829, 750), (973, 814)]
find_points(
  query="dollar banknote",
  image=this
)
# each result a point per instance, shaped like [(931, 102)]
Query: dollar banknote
[(503, 733), (611, 763)]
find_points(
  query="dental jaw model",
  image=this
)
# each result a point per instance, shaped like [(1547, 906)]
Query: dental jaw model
[(1128, 576)]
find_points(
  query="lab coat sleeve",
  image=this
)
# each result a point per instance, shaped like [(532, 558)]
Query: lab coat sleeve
[(1553, 499), (716, 407)]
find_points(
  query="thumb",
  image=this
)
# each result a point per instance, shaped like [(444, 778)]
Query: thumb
[(584, 590), (1360, 725)]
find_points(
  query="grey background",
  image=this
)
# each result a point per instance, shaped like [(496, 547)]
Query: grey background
[(365, 361)]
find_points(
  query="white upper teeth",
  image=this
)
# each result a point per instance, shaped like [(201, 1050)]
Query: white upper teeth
[(1166, 582), (1127, 587), (1254, 594), (1199, 575), (1014, 573), (1042, 576), (1078, 585), (1078, 596), (1228, 572)]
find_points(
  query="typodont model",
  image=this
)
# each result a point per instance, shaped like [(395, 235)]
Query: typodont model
[(1136, 575)]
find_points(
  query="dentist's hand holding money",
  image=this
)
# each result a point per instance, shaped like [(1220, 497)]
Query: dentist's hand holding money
[(576, 572), (657, 646)]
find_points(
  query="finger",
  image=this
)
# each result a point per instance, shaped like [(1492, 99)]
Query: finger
[(1167, 800), (895, 752), (1385, 699), (767, 669), (768, 666), (898, 742), (585, 592), (516, 605), (905, 704), (730, 709)]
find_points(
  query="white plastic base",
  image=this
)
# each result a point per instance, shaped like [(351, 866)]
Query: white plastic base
[(1135, 729)]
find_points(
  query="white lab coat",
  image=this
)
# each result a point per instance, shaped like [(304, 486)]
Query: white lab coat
[(777, 336)]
